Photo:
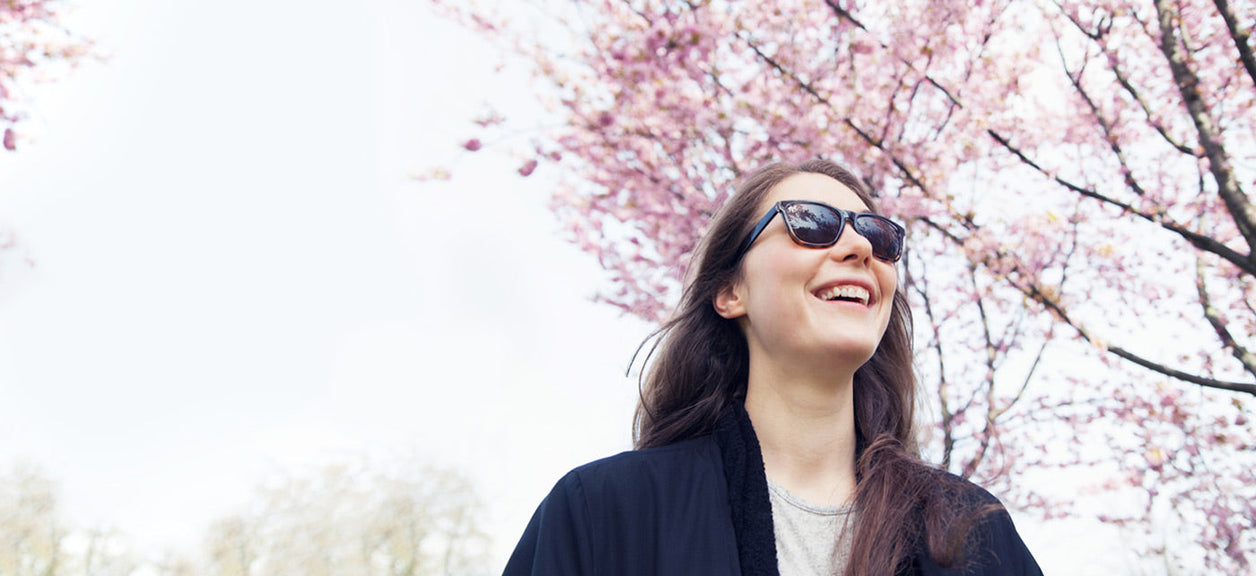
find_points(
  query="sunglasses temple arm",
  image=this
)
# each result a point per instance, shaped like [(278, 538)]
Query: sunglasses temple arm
[(758, 229)]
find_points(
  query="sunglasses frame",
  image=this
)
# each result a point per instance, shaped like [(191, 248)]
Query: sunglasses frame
[(847, 217)]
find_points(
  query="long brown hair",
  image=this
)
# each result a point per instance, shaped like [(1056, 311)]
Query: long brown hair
[(699, 364)]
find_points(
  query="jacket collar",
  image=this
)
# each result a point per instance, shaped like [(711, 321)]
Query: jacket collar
[(747, 493)]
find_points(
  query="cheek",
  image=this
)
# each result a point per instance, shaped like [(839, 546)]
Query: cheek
[(889, 284), (766, 282), (889, 281), (776, 277)]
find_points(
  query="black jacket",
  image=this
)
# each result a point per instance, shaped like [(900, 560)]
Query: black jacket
[(697, 508)]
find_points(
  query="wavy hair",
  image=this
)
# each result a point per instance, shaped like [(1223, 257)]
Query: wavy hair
[(698, 367)]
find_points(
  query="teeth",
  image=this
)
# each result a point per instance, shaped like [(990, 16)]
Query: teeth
[(847, 291)]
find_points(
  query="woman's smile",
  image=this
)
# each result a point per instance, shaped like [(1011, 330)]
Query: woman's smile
[(846, 291)]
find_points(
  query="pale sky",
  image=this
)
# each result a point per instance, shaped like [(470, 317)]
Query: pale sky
[(235, 274)]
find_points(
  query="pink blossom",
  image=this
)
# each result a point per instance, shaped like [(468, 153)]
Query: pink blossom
[(472, 144), (527, 168), (488, 119), (10, 140), (862, 46)]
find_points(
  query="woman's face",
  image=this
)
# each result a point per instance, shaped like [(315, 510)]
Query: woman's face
[(784, 299)]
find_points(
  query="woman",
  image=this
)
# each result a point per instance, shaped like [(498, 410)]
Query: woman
[(775, 434)]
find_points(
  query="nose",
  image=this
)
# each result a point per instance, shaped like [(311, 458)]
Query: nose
[(851, 246)]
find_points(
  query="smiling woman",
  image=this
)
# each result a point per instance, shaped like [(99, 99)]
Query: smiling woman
[(775, 434)]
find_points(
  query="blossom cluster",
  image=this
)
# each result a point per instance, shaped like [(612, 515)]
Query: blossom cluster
[(31, 39)]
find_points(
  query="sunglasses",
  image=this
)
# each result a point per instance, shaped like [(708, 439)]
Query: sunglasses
[(818, 225)]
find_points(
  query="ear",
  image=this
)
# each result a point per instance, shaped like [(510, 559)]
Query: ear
[(728, 302)]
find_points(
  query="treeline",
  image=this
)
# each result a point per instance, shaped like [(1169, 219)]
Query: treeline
[(396, 520)]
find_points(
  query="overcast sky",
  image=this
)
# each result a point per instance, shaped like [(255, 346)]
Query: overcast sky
[(232, 271)]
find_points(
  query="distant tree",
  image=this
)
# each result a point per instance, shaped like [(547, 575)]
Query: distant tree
[(1075, 176), (102, 552), (407, 521), (32, 39), (395, 519), (36, 541), (31, 531), (172, 564)]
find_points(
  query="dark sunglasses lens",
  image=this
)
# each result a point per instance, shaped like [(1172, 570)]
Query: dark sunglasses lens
[(882, 235), (814, 224)]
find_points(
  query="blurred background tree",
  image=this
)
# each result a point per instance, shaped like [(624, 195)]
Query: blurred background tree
[(36, 540), (33, 44), (406, 521), (1075, 177), (386, 520), (31, 533)]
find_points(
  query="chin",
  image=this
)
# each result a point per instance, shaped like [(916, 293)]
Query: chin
[(851, 353)]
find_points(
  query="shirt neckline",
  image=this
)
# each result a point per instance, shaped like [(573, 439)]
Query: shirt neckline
[(806, 506)]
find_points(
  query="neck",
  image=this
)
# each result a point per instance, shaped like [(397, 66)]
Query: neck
[(805, 424)]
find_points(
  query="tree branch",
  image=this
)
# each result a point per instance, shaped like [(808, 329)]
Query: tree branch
[(1064, 268), (1236, 201), (921, 287), (991, 355), (1028, 378), (1033, 292), (1245, 356), (1205, 243), (868, 138), (1125, 83), (1076, 81), (1241, 38), (843, 14)]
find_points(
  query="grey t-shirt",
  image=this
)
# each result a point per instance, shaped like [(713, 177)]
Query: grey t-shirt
[(810, 539)]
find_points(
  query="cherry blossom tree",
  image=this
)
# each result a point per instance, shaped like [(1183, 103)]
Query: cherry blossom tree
[(1074, 176), (32, 40)]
